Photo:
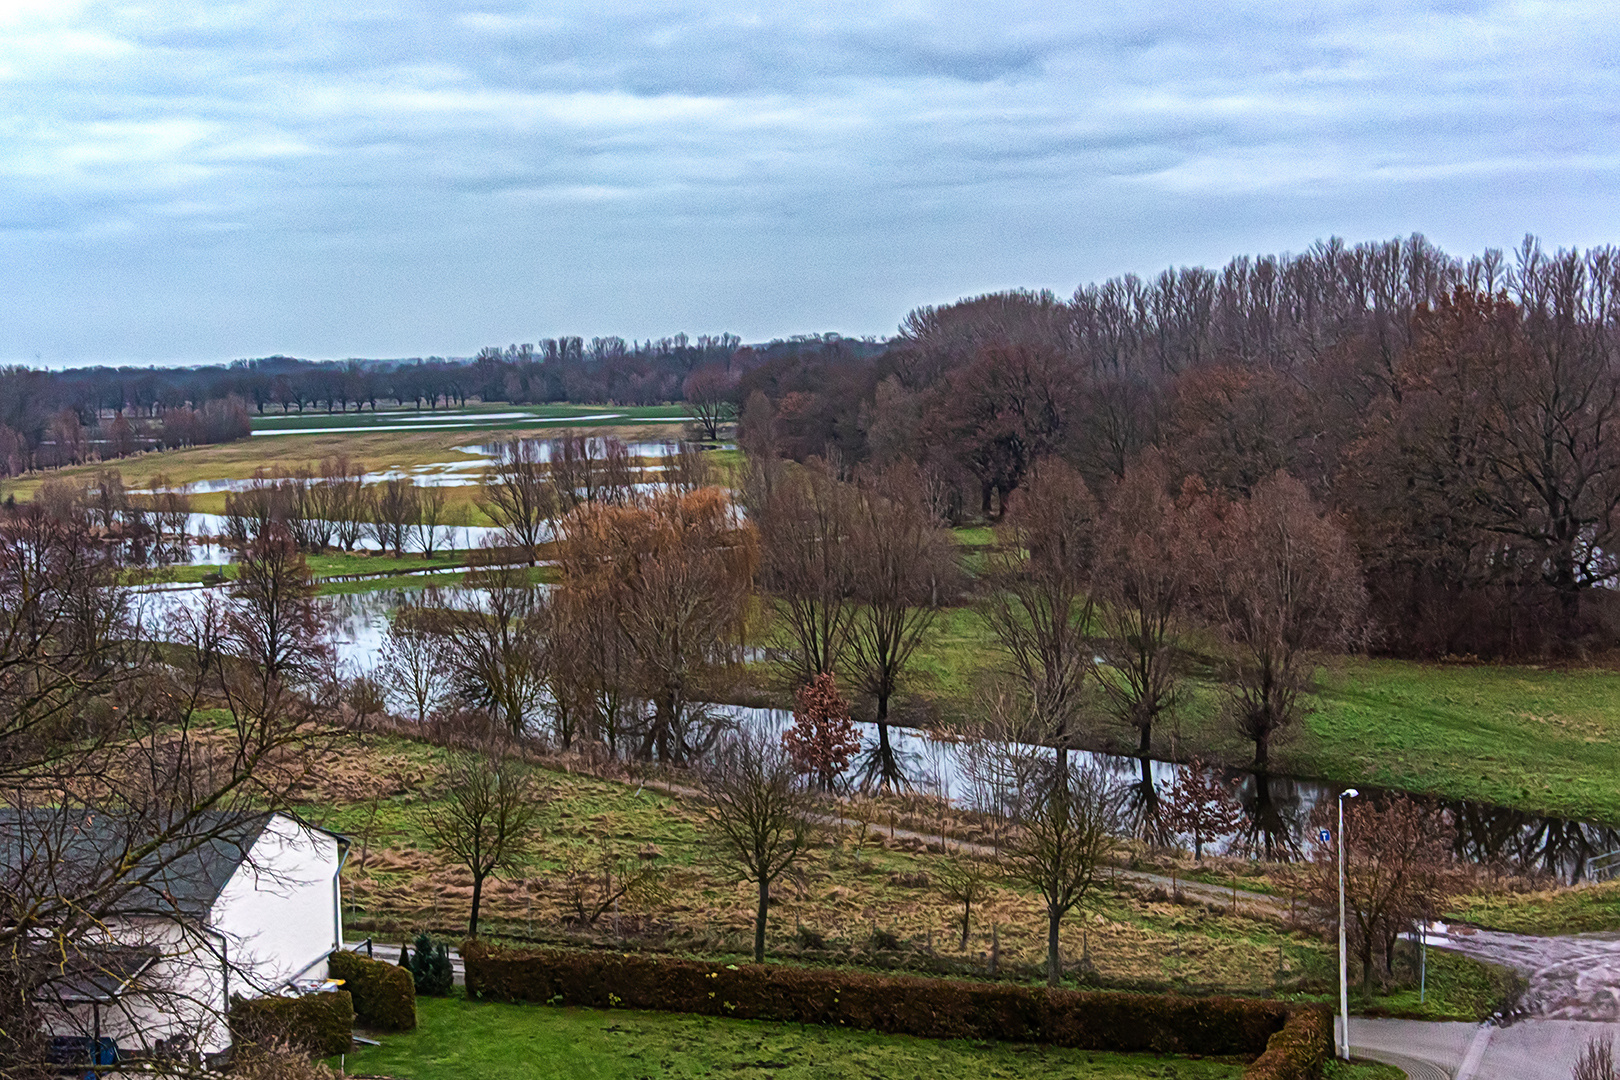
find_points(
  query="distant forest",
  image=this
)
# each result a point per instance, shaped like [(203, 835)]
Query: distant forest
[(54, 418), (1456, 416)]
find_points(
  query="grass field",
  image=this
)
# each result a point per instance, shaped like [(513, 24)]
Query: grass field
[(495, 416), (858, 900), (1543, 739), (359, 439), (849, 888), (458, 1038), (1583, 909)]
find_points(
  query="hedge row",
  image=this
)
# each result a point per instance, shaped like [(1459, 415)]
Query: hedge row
[(1298, 1050), (320, 1025), (384, 994), (898, 1004)]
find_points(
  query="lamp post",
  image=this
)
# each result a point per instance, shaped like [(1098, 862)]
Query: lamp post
[(1344, 980)]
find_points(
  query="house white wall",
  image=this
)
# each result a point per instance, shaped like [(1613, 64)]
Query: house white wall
[(280, 910), (277, 919)]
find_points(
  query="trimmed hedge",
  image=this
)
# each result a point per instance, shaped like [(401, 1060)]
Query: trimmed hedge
[(320, 1025), (384, 994), (897, 1004), (1298, 1050)]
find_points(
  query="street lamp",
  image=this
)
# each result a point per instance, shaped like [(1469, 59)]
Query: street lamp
[(1344, 982)]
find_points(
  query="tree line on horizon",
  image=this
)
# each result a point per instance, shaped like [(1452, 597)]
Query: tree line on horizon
[(1456, 417), (55, 418)]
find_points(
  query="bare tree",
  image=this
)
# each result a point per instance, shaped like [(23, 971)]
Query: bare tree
[(1596, 1061), (273, 617), (966, 880), (805, 526), (1284, 586), (412, 659), (1061, 837), (594, 885), (904, 567), (710, 394), (434, 523), (519, 497), (1398, 870), (394, 514), (1041, 609), (759, 814), (486, 818), (496, 649)]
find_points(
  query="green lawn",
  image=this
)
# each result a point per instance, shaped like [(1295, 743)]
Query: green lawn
[(1541, 739), (459, 1039), (1585, 909)]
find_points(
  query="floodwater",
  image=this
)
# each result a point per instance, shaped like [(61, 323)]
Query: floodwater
[(1277, 810)]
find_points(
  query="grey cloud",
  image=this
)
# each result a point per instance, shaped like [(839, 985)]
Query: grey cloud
[(451, 174)]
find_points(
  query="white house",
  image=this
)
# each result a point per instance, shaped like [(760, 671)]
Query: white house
[(250, 910)]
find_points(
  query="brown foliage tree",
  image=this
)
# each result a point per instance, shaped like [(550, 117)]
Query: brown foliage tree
[(1147, 562), (1000, 413), (1202, 806), (674, 572), (823, 737)]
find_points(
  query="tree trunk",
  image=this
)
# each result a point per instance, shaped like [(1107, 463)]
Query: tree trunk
[(1054, 955), (889, 774), (478, 895), (1262, 750), (967, 916), (759, 921)]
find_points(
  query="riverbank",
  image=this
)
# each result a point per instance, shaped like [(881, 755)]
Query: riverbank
[(1540, 738)]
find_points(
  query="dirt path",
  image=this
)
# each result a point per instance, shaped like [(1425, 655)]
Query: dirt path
[(1242, 901)]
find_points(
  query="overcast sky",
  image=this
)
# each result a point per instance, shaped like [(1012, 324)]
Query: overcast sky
[(210, 180)]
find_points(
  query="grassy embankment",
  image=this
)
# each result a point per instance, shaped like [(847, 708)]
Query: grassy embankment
[(1542, 739), (1580, 910), (865, 901), (340, 573), (457, 1038)]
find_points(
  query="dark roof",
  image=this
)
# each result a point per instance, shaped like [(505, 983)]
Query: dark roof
[(76, 853), (101, 975)]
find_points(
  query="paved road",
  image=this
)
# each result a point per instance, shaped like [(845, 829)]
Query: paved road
[(1528, 1050)]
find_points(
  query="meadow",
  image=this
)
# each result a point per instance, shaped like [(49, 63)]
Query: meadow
[(864, 897)]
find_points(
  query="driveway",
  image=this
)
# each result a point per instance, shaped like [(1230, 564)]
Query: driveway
[(1527, 1050)]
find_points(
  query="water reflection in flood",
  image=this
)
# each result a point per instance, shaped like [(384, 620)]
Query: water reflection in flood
[(1276, 810)]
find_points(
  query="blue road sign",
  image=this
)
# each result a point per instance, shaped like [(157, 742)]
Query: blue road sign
[(1325, 836)]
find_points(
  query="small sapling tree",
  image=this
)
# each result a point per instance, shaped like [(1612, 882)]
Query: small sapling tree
[(486, 819), (1202, 807), (1062, 834), (965, 881), (823, 738), (759, 814)]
